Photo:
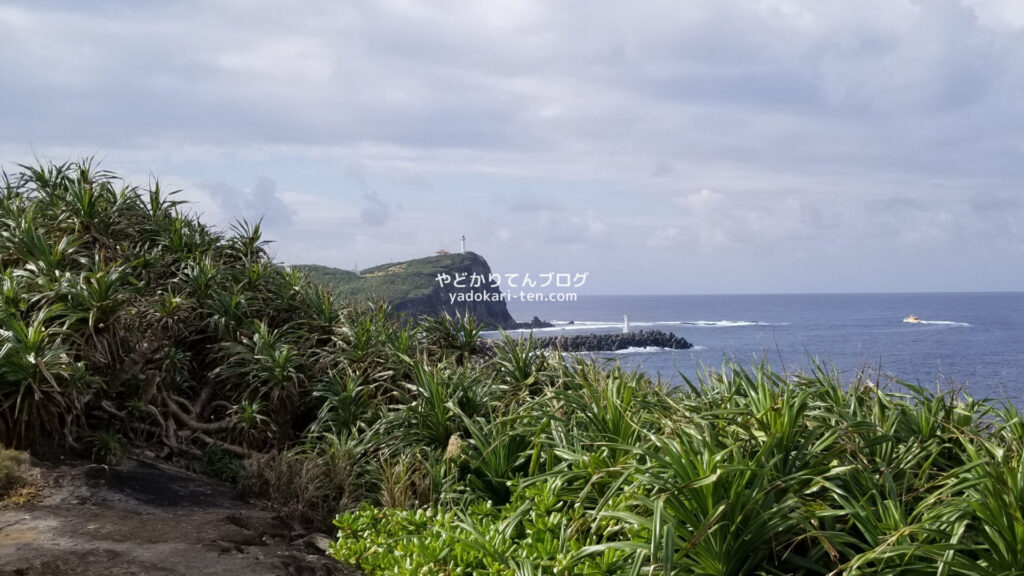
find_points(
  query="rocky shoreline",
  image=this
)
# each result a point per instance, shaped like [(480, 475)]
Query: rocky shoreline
[(535, 323), (147, 518), (614, 342)]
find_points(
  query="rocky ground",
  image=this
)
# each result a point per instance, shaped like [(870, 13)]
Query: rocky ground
[(146, 519)]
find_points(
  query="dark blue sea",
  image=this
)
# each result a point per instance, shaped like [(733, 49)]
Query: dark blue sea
[(971, 340)]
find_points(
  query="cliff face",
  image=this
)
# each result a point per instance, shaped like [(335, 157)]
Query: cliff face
[(483, 302), (412, 287)]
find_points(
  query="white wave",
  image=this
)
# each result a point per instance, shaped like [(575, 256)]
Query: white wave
[(731, 323), (590, 323), (662, 323), (579, 326), (562, 326), (641, 349), (651, 349), (632, 350), (580, 322), (558, 328)]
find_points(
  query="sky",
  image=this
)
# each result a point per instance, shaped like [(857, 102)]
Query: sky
[(719, 146)]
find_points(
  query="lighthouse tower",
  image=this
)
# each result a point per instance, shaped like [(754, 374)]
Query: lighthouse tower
[(463, 244)]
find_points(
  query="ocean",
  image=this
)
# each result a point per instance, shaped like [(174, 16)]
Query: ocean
[(973, 340)]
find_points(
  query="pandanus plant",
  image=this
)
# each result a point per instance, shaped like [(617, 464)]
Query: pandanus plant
[(39, 380), (117, 303)]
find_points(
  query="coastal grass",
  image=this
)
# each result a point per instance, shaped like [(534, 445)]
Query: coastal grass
[(746, 471), (126, 323)]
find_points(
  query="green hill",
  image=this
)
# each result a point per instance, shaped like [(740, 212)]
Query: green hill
[(412, 288)]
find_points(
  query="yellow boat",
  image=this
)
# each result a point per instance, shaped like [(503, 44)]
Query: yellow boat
[(912, 319)]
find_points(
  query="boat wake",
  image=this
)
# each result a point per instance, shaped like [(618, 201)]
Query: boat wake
[(940, 322)]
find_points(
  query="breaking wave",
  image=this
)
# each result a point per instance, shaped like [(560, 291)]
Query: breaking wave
[(590, 325), (732, 323)]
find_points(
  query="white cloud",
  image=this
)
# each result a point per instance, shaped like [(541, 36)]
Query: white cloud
[(999, 14), (261, 202), (375, 211), (785, 121)]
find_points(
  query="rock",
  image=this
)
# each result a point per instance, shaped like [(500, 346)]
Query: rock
[(147, 519), (483, 302), (534, 323), (263, 527), (317, 543)]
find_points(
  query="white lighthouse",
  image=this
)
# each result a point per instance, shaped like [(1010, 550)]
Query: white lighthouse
[(462, 245)]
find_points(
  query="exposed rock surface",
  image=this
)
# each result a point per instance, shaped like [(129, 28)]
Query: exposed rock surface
[(484, 302), (534, 323), (144, 519), (615, 342)]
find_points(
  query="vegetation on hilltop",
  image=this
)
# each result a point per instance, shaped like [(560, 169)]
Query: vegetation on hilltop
[(124, 321), (393, 282), (412, 288)]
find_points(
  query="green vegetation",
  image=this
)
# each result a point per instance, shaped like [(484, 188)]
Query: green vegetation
[(576, 469), (393, 282), (107, 447), (123, 318), (124, 321), (14, 467)]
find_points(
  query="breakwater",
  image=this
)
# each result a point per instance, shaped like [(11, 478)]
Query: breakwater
[(614, 342)]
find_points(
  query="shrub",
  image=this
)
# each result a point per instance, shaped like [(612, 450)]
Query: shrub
[(14, 466), (313, 482), (538, 533), (108, 447), (217, 463)]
